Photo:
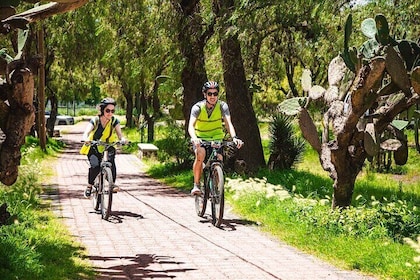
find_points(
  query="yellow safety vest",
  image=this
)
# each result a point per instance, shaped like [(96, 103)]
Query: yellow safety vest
[(107, 135), (210, 128)]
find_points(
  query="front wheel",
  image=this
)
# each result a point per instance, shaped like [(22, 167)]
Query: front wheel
[(96, 190), (217, 195), (201, 200), (106, 197)]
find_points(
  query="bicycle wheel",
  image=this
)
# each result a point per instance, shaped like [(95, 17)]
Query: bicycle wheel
[(106, 197), (96, 197), (201, 200), (217, 195)]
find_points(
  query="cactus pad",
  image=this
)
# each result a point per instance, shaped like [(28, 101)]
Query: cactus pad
[(382, 35), (336, 71), (292, 106), (401, 155), (370, 142), (306, 80), (309, 130), (396, 69), (415, 79), (368, 28), (316, 92)]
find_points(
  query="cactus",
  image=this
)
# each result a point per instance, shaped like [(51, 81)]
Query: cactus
[(368, 28), (360, 107), (347, 32), (382, 35), (292, 106)]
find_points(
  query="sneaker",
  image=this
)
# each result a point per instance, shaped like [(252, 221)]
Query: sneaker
[(115, 189), (196, 190), (88, 191)]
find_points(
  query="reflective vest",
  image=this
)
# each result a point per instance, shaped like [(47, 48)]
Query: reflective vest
[(107, 135), (210, 128)]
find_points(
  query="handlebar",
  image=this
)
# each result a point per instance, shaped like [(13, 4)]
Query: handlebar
[(101, 143), (216, 144)]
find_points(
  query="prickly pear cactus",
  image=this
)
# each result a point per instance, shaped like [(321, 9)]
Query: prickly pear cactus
[(368, 87)]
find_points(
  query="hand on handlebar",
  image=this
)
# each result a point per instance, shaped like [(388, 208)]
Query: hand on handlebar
[(196, 142), (238, 142)]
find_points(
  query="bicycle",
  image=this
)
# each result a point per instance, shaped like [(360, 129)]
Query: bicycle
[(103, 186), (212, 182)]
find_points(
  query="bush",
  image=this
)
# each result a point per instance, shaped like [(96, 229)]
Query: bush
[(174, 145), (285, 147)]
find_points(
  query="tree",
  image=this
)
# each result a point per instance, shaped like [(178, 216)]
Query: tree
[(237, 94), (192, 38), (17, 114), (368, 88)]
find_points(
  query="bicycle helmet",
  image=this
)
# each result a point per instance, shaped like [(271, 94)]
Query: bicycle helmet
[(105, 102), (210, 84)]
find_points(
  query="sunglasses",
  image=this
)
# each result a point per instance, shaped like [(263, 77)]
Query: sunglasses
[(213, 93), (109, 111)]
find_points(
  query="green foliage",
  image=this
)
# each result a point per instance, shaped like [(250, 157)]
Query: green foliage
[(33, 245), (357, 238), (174, 145), (32, 153), (374, 219), (416, 246), (285, 147)]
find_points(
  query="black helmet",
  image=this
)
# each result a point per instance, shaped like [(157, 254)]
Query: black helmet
[(210, 84), (105, 102)]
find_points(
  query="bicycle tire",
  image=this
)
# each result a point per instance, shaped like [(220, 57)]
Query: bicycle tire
[(106, 197), (96, 190), (201, 200), (217, 195)]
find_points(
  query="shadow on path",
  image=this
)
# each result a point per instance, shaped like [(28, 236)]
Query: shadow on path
[(138, 269)]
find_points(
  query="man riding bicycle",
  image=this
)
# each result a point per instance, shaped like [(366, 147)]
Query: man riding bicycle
[(206, 123)]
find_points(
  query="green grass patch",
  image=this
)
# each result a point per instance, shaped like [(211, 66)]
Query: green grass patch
[(295, 206), (382, 256), (34, 244)]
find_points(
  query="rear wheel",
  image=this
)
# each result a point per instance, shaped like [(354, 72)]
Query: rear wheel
[(217, 195), (106, 197), (96, 197), (201, 200)]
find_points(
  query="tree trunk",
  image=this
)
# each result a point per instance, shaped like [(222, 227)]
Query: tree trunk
[(192, 42), (129, 110), (238, 97), (41, 89), (343, 166), (53, 115), (19, 121)]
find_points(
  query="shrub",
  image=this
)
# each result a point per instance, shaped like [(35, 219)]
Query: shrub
[(174, 145), (285, 147)]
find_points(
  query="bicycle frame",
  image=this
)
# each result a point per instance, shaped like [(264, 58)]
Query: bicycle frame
[(213, 185), (104, 183)]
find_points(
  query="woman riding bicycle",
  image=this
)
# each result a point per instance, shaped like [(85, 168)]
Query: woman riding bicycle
[(206, 123), (106, 128)]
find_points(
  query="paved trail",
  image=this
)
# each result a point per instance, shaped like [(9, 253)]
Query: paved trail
[(154, 232)]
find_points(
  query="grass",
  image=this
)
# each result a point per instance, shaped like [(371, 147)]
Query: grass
[(367, 238), (34, 244)]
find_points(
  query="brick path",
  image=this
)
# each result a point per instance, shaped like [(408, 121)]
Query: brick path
[(154, 232)]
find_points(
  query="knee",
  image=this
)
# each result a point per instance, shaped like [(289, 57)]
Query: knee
[(94, 161)]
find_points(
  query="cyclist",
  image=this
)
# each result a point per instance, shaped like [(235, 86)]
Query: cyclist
[(206, 123), (104, 127)]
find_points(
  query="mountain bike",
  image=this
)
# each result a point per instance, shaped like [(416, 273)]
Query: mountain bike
[(103, 186), (212, 182)]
